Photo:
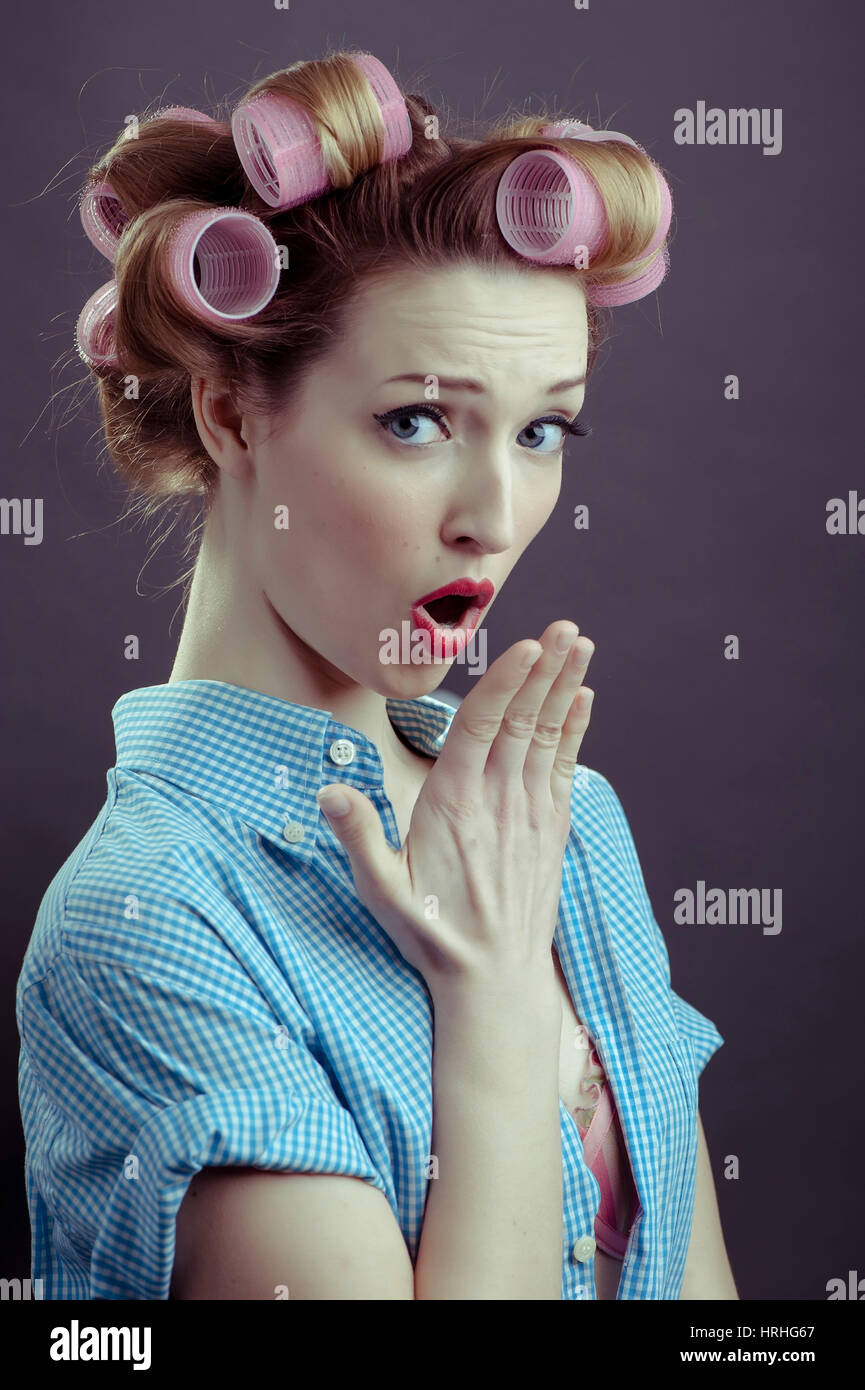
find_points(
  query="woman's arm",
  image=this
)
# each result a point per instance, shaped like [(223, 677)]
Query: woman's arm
[(707, 1268), (492, 1227), (493, 1221)]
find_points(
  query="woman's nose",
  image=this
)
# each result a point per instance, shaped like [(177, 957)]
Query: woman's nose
[(484, 508)]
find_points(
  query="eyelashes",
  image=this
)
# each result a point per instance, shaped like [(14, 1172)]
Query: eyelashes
[(577, 426), (433, 412)]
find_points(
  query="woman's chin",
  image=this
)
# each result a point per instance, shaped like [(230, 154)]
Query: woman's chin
[(407, 682)]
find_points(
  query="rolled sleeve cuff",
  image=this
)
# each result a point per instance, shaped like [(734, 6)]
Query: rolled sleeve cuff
[(133, 1254)]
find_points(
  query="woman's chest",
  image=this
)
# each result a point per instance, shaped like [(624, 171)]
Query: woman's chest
[(574, 1068), (573, 1040), (573, 1046), (403, 789)]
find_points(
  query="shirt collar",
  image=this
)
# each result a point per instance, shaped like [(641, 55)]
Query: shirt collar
[(257, 755)]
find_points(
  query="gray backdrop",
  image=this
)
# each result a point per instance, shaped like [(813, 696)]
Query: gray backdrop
[(739, 763)]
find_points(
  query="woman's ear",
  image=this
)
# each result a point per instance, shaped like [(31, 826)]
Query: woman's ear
[(221, 427)]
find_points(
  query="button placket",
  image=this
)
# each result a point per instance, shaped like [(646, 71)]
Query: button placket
[(342, 752), (583, 1249)]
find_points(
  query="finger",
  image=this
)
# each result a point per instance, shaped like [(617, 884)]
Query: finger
[(478, 719), (549, 729), (355, 822), (564, 767), (509, 752)]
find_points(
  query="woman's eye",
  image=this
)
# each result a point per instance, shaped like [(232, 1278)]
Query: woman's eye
[(557, 441), (417, 425), (400, 423)]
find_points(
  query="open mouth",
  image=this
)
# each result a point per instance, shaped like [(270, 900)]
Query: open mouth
[(449, 610), (456, 607)]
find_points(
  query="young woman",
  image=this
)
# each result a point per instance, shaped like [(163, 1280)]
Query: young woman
[(417, 1040)]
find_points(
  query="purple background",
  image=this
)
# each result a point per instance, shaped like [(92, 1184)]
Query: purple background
[(708, 517)]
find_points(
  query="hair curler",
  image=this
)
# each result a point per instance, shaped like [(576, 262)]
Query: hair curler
[(635, 287), (94, 331), (279, 148), (102, 215), (182, 113), (578, 130), (547, 206), (223, 264)]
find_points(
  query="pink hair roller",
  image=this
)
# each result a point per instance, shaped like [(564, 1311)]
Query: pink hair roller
[(101, 211), (637, 287), (547, 206), (94, 331), (576, 130), (280, 151), (102, 217), (237, 261), (182, 113)]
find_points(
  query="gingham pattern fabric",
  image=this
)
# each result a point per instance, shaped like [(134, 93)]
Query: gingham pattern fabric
[(203, 987)]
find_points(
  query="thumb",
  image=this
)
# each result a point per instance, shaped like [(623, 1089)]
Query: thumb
[(355, 822)]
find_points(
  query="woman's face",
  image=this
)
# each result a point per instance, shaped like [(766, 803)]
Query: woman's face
[(382, 513)]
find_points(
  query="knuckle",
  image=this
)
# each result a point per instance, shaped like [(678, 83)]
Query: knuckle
[(516, 809), (565, 765), (547, 733), (480, 726), (520, 722), (578, 716), (502, 813), (458, 811)]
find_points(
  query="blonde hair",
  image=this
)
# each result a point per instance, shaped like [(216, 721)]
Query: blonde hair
[(433, 207)]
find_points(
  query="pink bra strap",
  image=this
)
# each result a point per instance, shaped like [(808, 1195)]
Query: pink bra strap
[(612, 1170), (598, 1130)]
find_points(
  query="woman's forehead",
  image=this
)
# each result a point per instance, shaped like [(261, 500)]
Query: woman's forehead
[(453, 321)]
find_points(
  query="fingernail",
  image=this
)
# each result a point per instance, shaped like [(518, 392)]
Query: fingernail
[(333, 803), (530, 658)]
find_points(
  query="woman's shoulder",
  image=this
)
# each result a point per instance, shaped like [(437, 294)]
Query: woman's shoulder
[(598, 818), (597, 814), (151, 870), (601, 832)]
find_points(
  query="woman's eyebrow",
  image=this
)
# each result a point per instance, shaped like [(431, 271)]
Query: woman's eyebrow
[(462, 383)]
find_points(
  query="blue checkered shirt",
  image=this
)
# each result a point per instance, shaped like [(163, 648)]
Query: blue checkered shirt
[(203, 987)]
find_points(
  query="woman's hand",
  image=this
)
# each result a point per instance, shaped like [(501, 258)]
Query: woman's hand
[(475, 887)]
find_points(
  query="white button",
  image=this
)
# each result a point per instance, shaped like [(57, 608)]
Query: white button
[(342, 751), (583, 1249), (293, 831)]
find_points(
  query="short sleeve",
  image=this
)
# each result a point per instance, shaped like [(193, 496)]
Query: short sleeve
[(694, 1026), (699, 1030), (155, 1080)]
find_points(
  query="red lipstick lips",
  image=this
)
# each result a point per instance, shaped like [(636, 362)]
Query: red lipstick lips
[(455, 609)]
